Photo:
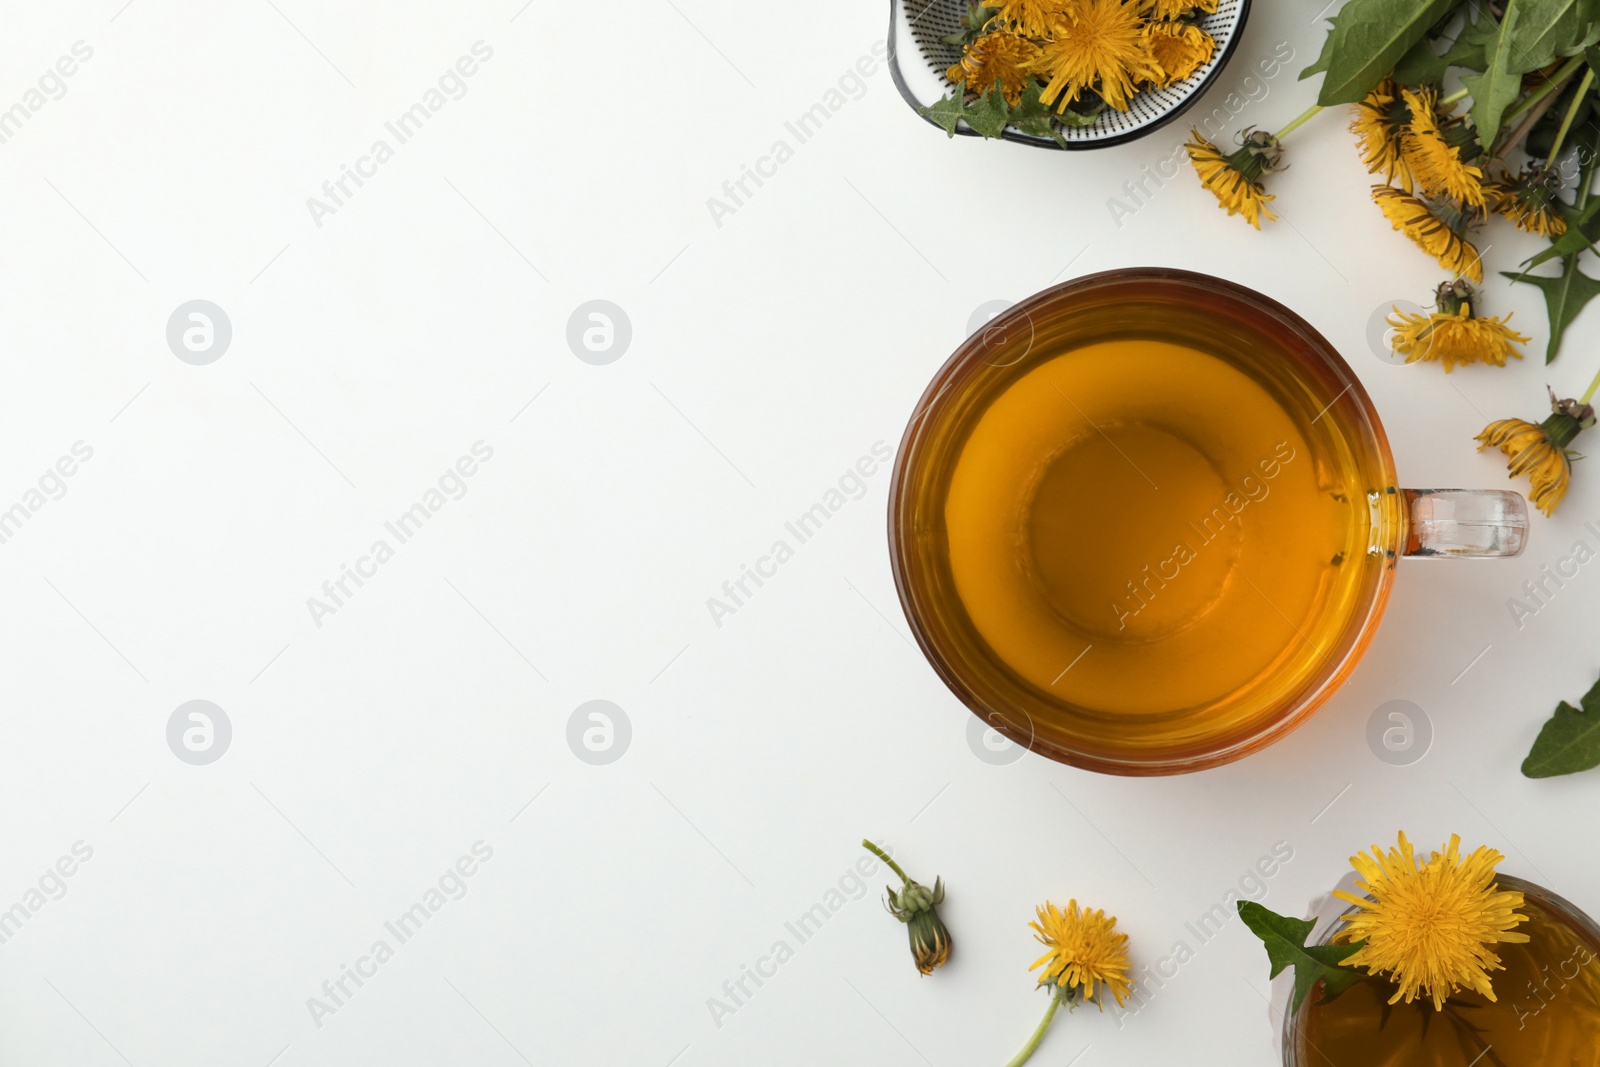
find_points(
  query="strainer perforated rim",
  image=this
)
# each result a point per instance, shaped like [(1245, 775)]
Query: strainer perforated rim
[(1154, 108)]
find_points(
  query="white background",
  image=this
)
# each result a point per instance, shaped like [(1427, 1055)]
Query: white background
[(768, 354)]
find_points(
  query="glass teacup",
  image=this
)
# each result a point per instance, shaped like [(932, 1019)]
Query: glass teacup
[(1546, 1009), (1146, 522)]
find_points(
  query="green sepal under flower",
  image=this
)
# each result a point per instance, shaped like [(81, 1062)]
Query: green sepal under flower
[(1452, 296), (1259, 151), (1568, 418), (1463, 138), (973, 25), (915, 906)]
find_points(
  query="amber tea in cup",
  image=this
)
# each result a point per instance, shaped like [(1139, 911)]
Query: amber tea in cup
[(1147, 520)]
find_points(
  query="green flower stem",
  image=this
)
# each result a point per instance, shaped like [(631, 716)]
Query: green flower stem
[(1305, 117), (1588, 394), (1038, 1035), (1557, 80), (1455, 97), (1510, 139), (1560, 429), (1572, 113), (884, 856), (1580, 200)]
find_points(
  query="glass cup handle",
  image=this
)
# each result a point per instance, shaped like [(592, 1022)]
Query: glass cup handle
[(1465, 523)]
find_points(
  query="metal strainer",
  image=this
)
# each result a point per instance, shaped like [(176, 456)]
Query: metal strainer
[(918, 60)]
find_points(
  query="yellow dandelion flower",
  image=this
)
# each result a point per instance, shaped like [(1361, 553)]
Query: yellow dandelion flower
[(1178, 48), (1530, 451), (1529, 201), (1097, 46), (1540, 450), (1032, 17), (1433, 144), (1430, 927), (1086, 956), (1166, 10), (1235, 179), (1380, 125), (996, 57), (1452, 335), (1437, 229), (1454, 340)]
